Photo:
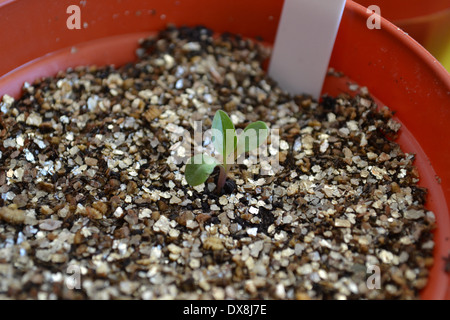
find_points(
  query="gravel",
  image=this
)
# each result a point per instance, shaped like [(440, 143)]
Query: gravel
[(90, 191)]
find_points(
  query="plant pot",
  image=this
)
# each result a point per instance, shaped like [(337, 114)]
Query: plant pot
[(396, 70), (429, 25)]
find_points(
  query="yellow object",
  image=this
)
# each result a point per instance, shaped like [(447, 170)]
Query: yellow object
[(438, 42), (433, 32), (445, 57), (428, 22)]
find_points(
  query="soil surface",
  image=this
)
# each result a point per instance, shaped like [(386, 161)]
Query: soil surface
[(94, 203)]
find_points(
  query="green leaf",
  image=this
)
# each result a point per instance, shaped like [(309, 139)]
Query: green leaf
[(254, 135), (223, 134), (199, 168)]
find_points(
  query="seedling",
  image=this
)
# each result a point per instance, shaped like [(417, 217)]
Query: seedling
[(228, 145)]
